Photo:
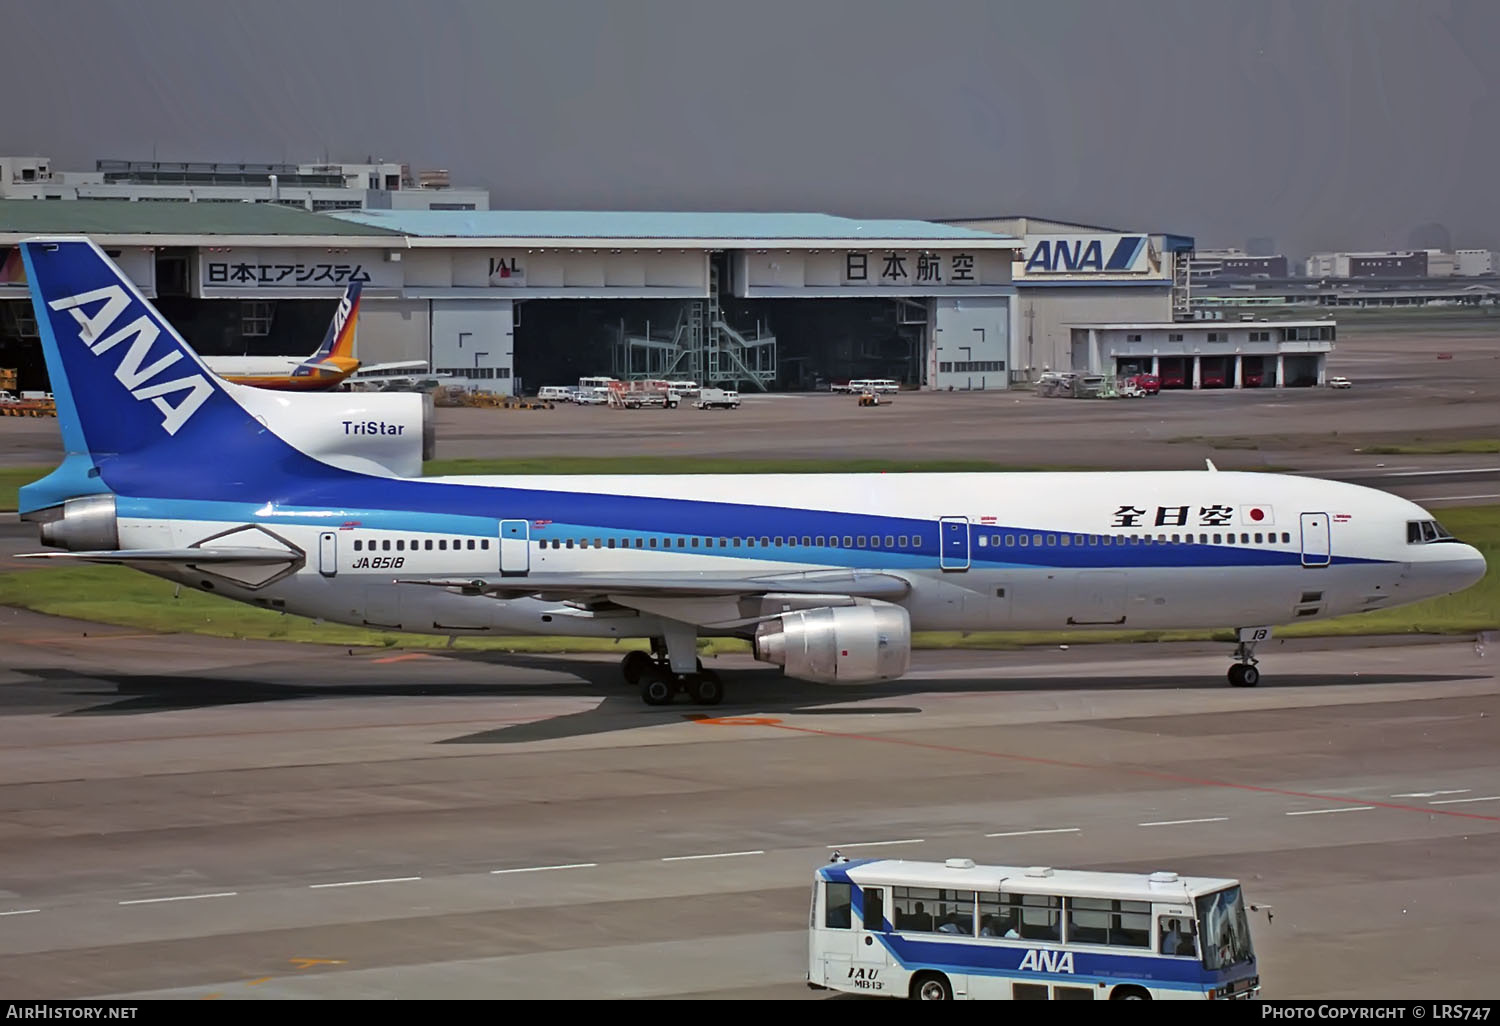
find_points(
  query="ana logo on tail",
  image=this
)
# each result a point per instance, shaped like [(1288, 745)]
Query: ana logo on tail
[(131, 370)]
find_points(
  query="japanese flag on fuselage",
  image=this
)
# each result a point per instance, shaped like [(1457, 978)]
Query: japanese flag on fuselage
[(1257, 516)]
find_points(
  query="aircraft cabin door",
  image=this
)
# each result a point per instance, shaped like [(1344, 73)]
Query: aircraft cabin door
[(953, 542), (1316, 545), (515, 548), (328, 553)]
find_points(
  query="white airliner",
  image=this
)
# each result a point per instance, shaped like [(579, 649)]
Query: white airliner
[(305, 509), (328, 367)]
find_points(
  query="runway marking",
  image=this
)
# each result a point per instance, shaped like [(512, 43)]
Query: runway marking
[(362, 883), (1026, 833), (1442, 473), (308, 963), (716, 855), (1183, 822), (1038, 760), (403, 658), (21, 912), (1324, 812), (258, 982), (181, 897), (1430, 794), (1460, 801), (543, 869), (1458, 498), (878, 844)]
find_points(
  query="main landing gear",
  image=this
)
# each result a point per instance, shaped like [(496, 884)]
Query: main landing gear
[(660, 684), (1243, 673)]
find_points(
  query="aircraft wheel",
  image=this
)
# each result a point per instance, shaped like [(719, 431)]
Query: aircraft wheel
[(706, 688), (656, 688), (1249, 676), (633, 665)]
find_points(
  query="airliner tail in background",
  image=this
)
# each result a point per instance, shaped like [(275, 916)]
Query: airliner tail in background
[(299, 506)]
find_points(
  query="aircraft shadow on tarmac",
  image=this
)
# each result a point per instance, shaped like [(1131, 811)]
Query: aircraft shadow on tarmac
[(747, 692)]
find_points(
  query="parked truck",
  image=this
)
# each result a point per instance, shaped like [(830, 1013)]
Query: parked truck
[(717, 399)]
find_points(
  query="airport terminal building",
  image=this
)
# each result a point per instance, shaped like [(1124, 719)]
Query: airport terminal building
[(510, 301)]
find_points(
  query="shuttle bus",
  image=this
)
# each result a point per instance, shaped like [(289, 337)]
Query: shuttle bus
[(938, 931)]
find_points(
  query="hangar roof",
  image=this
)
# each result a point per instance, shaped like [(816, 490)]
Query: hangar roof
[(119, 217), (734, 230)]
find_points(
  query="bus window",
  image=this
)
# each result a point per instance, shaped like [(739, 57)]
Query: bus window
[(1177, 936), (1108, 921), (875, 909), (836, 906), (1040, 915)]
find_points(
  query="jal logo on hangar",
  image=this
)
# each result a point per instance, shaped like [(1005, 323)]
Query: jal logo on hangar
[(1098, 254)]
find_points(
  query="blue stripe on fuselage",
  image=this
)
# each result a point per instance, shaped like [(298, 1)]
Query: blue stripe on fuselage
[(629, 517)]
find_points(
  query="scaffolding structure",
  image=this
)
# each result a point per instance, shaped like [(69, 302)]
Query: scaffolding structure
[(701, 347)]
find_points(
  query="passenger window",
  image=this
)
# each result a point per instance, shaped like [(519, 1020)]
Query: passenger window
[(1066, 539), (1023, 539), (933, 910), (1217, 539), (611, 543), (778, 541), (1177, 537), (357, 544), (848, 542), (400, 545), (837, 906), (570, 543), (820, 539), (695, 543), (890, 542), (1106, 921), (1285, 537), (875, 909), (1257, 537), (736, 542), (859, 542), (443, 545), (806, 541), (765, 542), (1051, 539), (984, 541), (386, 545), (750, 543), (1177, 936), (653, 543), (483, 544), (1245, 538), (1028, 991), (723, 543), (901, 541), (427, 545)]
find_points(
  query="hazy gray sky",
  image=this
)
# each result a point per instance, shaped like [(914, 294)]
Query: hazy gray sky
[(1320, 124)]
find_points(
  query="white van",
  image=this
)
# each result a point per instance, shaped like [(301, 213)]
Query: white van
[(557, 393), (875, 386)]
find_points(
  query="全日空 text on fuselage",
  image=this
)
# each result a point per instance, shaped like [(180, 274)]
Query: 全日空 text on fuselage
[(828, 574)]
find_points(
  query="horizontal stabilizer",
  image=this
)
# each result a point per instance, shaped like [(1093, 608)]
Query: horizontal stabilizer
[(183, 556), (854, 585)]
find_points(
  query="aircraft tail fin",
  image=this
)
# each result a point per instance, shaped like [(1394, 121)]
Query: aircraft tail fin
[(339, 341), (128, 388)]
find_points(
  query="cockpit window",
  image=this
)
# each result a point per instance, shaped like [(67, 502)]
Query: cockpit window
[(1419, 532)]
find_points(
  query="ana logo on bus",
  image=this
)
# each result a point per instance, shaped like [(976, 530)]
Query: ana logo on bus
[(1041, 961)]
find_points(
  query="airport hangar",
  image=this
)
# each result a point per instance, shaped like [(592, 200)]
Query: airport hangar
[(507, 301)]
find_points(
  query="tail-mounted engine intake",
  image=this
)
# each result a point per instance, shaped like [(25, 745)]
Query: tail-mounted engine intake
[(360, 431), (85, 524), (845, 645)]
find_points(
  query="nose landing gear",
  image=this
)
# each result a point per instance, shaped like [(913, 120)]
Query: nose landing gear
[(1243, 673)]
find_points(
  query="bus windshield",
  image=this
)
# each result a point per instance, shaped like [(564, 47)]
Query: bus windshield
[(1224, 929)]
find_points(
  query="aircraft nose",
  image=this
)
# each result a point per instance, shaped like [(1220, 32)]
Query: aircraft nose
[(1461, 569)]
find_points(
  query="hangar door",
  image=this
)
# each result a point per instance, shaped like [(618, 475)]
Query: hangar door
[(473, 342), (970, 342)]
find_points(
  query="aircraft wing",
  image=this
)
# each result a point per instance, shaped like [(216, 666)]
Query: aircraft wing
[(418, 368), (702, 599), (226, 554), (852, 584)]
